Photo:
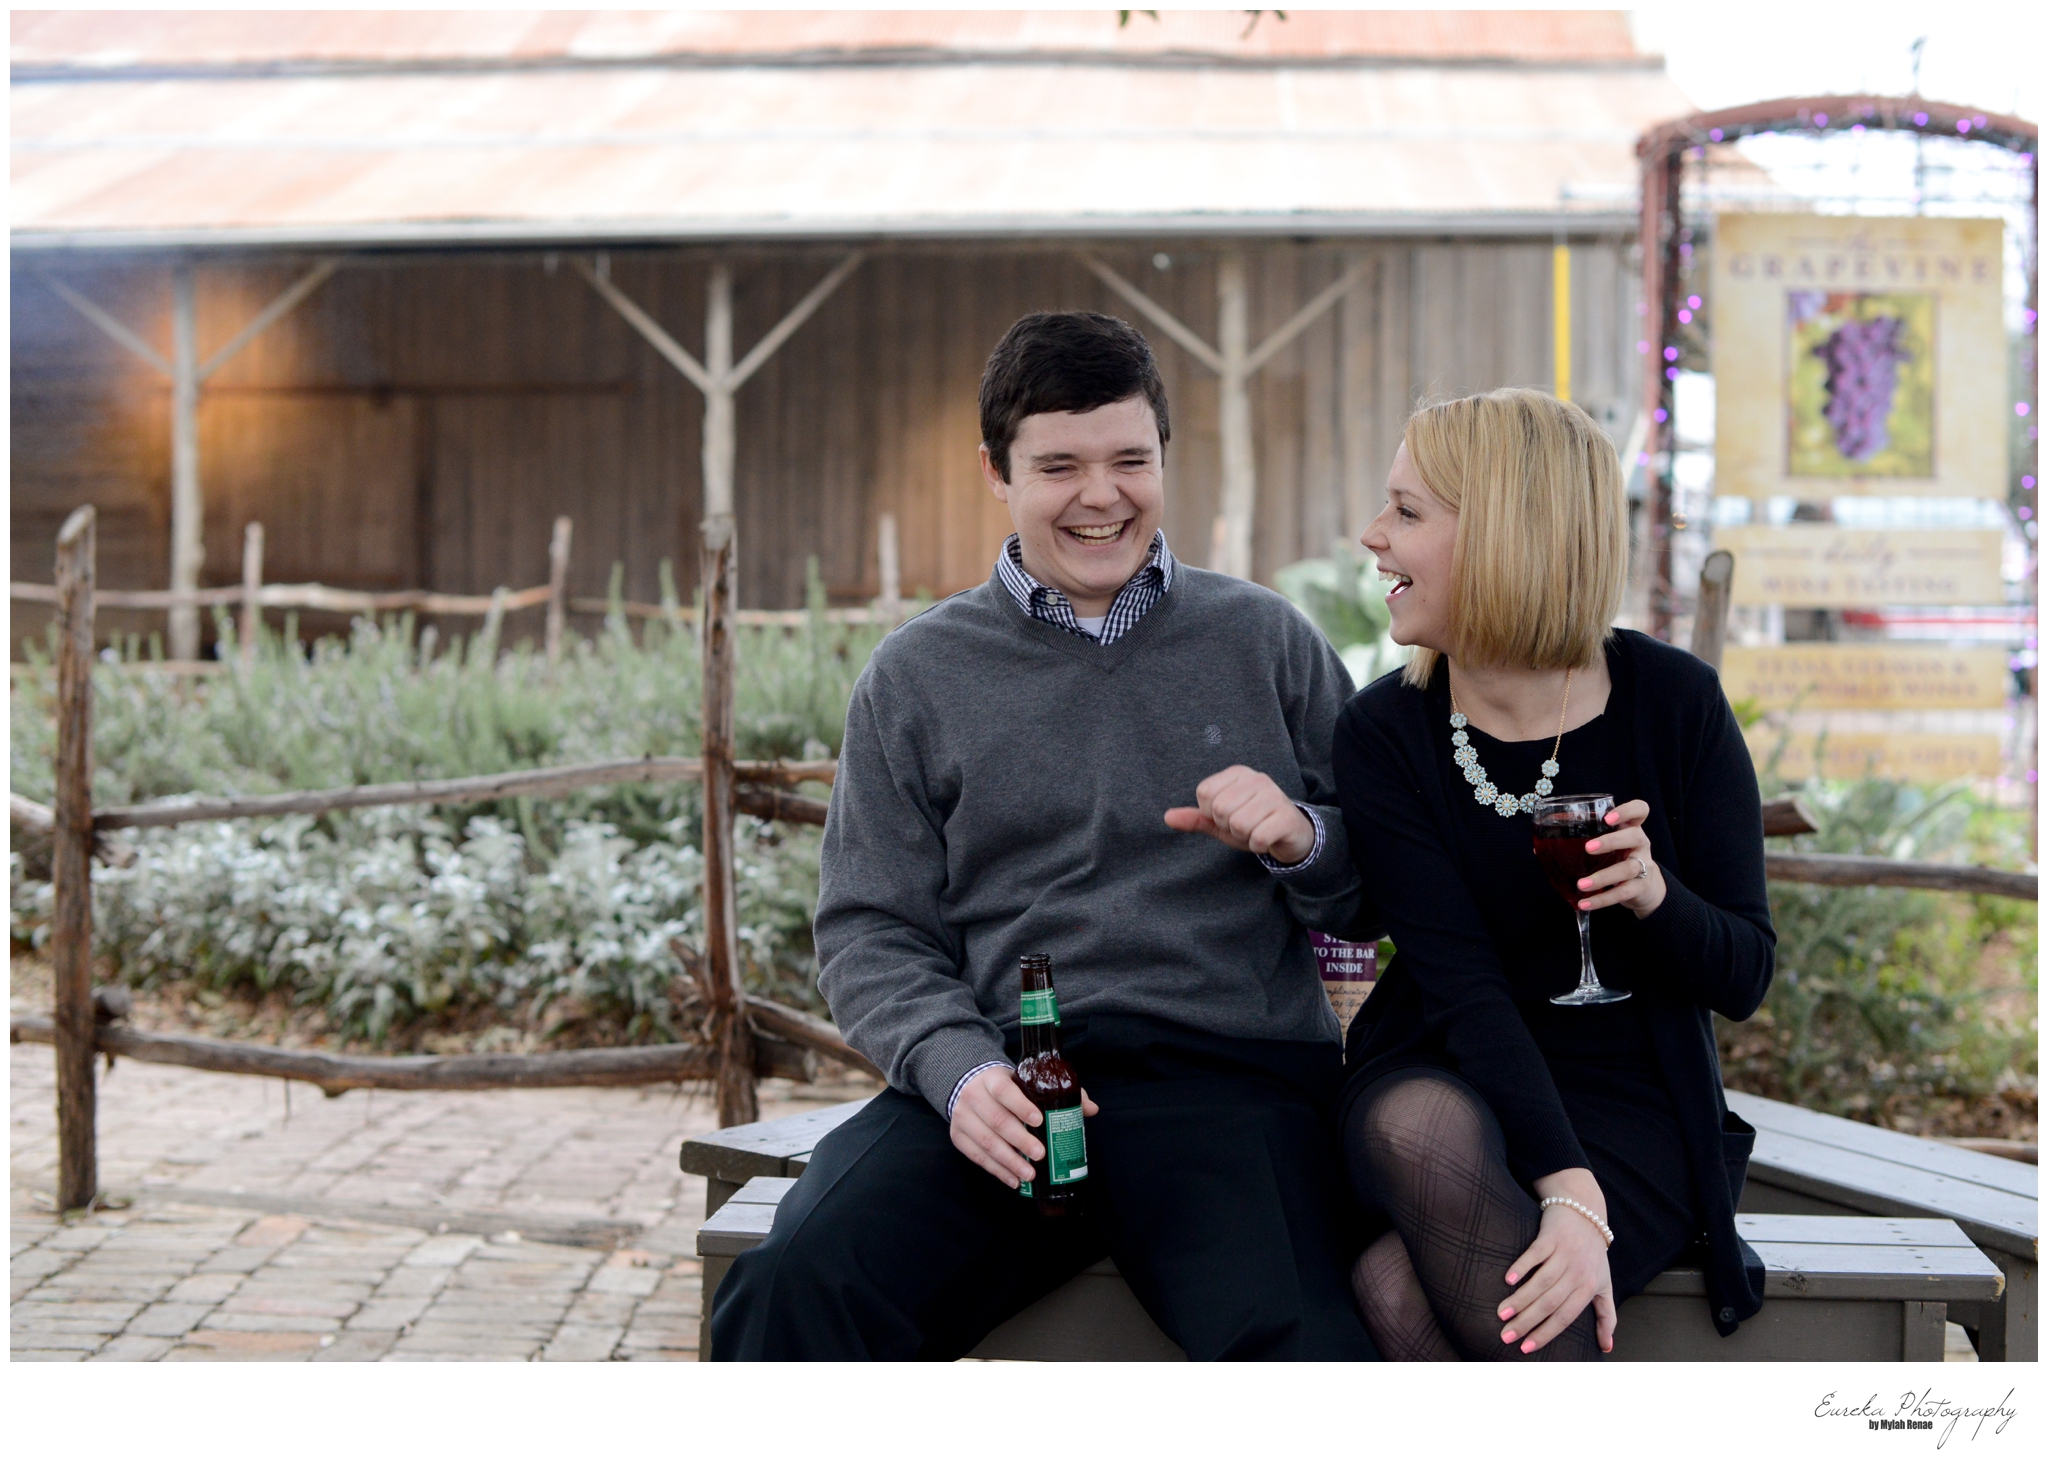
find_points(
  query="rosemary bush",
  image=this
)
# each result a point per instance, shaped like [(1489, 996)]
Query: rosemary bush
[(386, 915), (1890, 1001)]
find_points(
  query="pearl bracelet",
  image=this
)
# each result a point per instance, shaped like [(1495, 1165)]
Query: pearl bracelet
[(1559, 1200)]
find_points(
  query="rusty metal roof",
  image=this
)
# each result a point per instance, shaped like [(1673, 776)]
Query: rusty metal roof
[(302, 129)]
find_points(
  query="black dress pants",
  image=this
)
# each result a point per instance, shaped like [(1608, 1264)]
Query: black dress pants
[(1213, 1182)]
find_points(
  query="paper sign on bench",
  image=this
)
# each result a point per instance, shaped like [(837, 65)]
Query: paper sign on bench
[(1349, 971)]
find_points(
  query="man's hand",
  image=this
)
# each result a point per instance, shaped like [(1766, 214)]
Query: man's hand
[(991, 1123), (1244, 809)]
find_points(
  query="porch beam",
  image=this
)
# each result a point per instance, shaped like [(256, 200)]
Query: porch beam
[(600, 278), (271, 314), (767, 346), (109, 325)]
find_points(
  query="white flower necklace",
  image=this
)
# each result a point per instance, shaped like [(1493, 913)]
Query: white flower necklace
[(1483, 789)]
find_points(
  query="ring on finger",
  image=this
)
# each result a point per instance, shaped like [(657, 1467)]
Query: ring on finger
[(1642, 870)]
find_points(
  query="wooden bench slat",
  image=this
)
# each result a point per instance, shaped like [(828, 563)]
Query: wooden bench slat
[(1839, 1228), (1999, 1173), (762, 1147), (1991, 1218)]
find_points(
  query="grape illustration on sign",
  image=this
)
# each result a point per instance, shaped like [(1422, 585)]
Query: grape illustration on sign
[(1851, 356), (1861, 383)]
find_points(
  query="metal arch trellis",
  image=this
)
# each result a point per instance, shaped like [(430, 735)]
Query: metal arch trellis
[(1670, 261)]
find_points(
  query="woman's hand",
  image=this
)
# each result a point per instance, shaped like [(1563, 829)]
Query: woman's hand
[(1562, 1271), (1636, 882)]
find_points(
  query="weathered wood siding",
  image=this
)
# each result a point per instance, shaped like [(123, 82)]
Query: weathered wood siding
[(422, 421)]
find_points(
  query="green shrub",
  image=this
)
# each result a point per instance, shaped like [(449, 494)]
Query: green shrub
[(1886, 1000), (385, 915)]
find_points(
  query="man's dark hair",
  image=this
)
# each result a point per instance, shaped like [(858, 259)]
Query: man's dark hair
[(1064, 362)]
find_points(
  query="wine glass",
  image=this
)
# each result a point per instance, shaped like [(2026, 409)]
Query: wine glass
[(1564, 824)]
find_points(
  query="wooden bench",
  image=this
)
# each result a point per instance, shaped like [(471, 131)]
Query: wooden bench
[(1837, 1288), (1807, 1162)]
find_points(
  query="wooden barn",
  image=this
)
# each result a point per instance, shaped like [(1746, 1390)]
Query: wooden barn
[(405, 287)]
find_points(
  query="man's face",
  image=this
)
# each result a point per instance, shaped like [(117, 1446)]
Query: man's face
[(1085, 492)]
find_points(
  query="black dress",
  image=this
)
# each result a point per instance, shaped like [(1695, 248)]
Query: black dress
[(1629, 1090)]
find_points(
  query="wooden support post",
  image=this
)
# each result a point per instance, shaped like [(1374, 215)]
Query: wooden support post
[(889, 555), (1235, 362), (558, 584), (71, 867), (252, 590), (188, 513), (1710, 616), (737, 1101), (1240, 474), (1561, 319)]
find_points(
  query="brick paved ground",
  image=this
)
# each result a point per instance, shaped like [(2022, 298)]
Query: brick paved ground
[(479, 1226), (495, 1225)]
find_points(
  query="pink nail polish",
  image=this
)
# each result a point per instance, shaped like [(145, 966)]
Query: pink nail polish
[(1507, 1338), (1514, 1279), (1527, 1347)]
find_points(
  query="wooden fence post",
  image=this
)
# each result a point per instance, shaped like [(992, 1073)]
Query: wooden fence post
[(71, 867), (737, 1101), (558, 584), (252, 590), (1710, 616)]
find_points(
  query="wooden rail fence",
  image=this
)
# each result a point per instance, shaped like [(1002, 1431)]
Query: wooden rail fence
[(743, 1035), (253, 591)]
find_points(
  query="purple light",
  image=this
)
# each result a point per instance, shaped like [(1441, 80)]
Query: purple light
[(2025, 513), (2022, 409), (2026, 481), (1919, 119), (1685, 318), (1671, 354), (1643, 347), (1979, 119), (1857, 130), (1685, 249), (1820, 119), (1642, 458), (1962, 124), (1715, 135), (1672, 373), (1693, 301), (1662, 416)]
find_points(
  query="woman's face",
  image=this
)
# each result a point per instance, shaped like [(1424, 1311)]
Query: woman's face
[(1414, 538)]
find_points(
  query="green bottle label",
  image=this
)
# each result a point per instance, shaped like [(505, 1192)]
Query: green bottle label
[(1066, 1145), (1039, 1008)]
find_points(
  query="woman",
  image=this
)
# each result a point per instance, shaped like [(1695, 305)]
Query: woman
[(1535, 1159)]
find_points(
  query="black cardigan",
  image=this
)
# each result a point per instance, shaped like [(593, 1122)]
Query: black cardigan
[(1708, 946)]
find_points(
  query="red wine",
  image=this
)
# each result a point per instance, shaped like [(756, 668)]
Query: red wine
[(1561, 848)]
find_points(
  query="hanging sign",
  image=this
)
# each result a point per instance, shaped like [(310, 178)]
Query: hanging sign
[(1855, 355), (1866, 675), (1807, 565), (1920, 757)]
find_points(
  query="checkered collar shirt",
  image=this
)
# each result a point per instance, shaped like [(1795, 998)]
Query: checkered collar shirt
[(1049, 604)]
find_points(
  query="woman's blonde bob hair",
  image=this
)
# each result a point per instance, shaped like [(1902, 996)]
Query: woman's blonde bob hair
[(1541, 558)]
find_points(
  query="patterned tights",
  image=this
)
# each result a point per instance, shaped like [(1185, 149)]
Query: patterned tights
[(1423, 1146)]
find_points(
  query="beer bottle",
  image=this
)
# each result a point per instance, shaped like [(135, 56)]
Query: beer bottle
[(1047, 1079)]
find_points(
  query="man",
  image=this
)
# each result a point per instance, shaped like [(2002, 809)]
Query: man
[(1017, 777)]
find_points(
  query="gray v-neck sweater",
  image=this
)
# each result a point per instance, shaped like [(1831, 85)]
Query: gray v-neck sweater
[(1002, 790)]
